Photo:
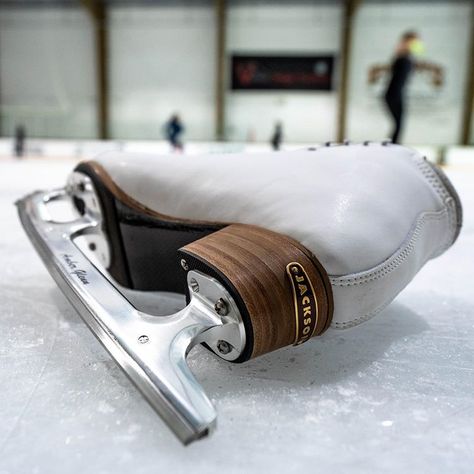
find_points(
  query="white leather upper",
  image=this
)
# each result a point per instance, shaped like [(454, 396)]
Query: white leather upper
[(371, 214)]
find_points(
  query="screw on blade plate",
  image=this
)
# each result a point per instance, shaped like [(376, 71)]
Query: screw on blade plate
[(143, 339), (194, 285), (221, 307), (223, 346)]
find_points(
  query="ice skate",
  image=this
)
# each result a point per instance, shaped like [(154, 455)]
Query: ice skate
[(269, 249)]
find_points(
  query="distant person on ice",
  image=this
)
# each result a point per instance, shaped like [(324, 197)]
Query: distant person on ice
[(277, 136), (20, 138), (173, 129), (400, 70)]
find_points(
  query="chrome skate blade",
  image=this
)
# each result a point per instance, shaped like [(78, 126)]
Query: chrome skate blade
[(150, 349)]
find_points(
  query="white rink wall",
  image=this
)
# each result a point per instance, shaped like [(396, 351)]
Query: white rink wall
[(162, 60), (79, 149), (86, 149), (47, 78), (261, 28)]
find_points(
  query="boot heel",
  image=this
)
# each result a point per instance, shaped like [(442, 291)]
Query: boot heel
[(283, 292)]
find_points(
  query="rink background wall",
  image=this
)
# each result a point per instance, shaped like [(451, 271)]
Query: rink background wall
[(47, 78), (434, 116), (287, 29), (162, 60)]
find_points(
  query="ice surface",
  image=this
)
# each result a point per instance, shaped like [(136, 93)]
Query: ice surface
[(394, 394)]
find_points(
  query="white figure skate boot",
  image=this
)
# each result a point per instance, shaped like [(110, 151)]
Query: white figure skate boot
[(270, 250)]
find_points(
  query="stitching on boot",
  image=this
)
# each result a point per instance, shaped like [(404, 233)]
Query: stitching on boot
[(397, 258)]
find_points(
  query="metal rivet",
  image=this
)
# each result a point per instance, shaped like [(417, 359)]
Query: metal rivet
[(223, 346), (143, 339), (184, 265), (194, 285), (221, 307), (294, 269), (92, 246)]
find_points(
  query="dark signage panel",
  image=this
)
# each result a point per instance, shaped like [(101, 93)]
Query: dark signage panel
[(282, 72)]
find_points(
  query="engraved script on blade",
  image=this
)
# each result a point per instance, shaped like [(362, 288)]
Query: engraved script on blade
[(72, 264)]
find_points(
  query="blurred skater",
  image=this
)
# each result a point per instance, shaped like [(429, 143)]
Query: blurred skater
[(405, 63), (19, 143), (174, 129), (277, 137), (401, 69)]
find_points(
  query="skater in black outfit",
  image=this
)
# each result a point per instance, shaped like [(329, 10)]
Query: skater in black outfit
[(401, 69)]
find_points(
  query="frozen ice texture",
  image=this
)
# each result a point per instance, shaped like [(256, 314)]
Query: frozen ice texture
[(394, 394)]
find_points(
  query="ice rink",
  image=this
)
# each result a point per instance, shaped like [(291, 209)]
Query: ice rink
[(394, 394)]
